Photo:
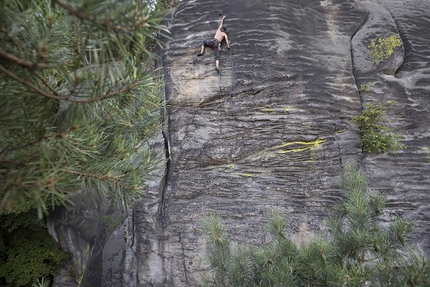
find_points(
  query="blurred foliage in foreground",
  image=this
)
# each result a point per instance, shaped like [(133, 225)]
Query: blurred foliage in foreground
[(80, 100)]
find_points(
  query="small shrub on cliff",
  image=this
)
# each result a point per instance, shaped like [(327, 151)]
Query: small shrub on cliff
[(43, 282), (358, 251), (375, 135), (27, 252), (383, 47), (271, 265), (365, 88)]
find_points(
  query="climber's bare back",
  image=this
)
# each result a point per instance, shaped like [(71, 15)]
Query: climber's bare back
[(220, 35)]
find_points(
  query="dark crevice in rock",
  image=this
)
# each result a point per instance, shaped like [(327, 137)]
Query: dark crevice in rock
[(130, 274), (184, 264), (403, 38), (352, 51), (165, 180), (165, 132)]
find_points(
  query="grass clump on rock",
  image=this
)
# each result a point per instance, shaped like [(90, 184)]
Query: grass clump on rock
[(383, 48), (376, 136)]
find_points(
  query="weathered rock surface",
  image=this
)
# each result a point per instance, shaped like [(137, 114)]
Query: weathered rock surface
[(273, 129)]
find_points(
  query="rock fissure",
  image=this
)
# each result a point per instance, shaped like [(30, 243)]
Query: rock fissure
[(184, 264), (165, 180), (352, 53), (402, 37)]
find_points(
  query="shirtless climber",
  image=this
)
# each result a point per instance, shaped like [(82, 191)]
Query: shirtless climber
[(215, 43)]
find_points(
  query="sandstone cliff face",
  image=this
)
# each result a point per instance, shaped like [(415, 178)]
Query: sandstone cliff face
[(273, 128)]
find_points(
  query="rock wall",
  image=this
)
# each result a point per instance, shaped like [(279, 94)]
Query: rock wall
[(405, 176), (273, 129)]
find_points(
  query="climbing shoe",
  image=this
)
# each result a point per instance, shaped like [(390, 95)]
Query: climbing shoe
[(200, 54), (217, 70)]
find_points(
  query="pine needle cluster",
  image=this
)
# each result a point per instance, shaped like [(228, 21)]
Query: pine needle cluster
[(358, 251), (80, 100)]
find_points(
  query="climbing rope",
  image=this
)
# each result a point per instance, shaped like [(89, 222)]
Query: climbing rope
[(219, 86), (232, 74), (233, 95), (232, 92)]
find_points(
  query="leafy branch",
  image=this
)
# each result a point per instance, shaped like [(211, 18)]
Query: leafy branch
[(383, 48), (376, 136)]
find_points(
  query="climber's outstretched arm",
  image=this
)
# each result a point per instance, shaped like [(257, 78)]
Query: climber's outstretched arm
[(222, 22)]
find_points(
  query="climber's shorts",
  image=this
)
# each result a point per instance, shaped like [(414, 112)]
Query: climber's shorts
[(214, 44)]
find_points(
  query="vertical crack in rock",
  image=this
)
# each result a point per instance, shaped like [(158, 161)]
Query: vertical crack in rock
[(401, 36), (184, 264), (165, 180), (129, 275), (404, 40), (165, 132), (352, 53)]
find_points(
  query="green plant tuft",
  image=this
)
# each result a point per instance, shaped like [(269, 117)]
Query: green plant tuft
[(365, 88), (375, 135), (44, 282), (383, 48)]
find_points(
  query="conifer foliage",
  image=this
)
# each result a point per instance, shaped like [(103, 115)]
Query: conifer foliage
[(79, 100), (358, 251)]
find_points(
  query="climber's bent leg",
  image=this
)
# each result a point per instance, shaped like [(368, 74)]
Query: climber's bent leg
[(202, 51)]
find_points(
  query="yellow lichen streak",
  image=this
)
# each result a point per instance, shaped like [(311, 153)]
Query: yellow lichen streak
[(300, 146)]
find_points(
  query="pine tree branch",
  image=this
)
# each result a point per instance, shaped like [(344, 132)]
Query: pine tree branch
[(12, 39), (420, 272), (400, 238), (139, 23), (219, 245), (69, 98), (27, 64), (10, 149), (345, 259), (78, 38), (124, 89), (96, 176), (46, 84), (29, 85)]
